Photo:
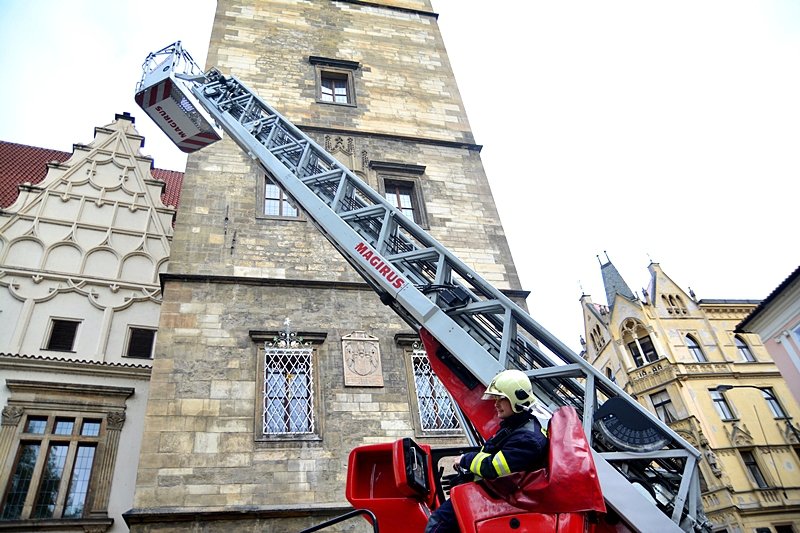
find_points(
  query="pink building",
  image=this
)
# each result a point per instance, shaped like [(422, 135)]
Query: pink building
[(777, 321)]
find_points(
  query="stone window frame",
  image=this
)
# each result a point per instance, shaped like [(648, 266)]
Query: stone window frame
[(663, 406), (694, 347), (743, 349), (406, 343), (406, 174), (261, 191), (753, 469), (326, 67), (774, 404), (48, 337), (722, 406), (638, 344), (315, 339), (69, 400)]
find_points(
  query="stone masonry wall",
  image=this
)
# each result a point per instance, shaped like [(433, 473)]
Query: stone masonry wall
[(202, 460)]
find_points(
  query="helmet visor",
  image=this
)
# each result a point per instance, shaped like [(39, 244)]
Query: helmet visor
[(492, 395)]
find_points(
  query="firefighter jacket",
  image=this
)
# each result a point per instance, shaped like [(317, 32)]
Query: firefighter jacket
[(519, 445)]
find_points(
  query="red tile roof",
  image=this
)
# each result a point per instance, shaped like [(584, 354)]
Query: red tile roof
[(20, 163)]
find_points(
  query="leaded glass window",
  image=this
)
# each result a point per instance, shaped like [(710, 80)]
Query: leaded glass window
[(436, 408), (53, 468), (288, 390)]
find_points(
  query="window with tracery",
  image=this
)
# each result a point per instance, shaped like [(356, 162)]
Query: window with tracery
[(639, 344)]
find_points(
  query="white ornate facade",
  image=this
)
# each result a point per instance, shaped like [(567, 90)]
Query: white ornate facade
[(80, 257)]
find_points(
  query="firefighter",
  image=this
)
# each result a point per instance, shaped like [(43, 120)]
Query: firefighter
[(519, 445)]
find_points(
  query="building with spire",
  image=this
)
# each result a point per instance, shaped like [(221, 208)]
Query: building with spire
[(682, 359), (274, 359)]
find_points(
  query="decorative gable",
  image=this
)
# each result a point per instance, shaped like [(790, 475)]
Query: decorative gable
[(87, 245)]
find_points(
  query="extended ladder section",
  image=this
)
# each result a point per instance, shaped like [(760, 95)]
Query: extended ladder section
[(648, 472)]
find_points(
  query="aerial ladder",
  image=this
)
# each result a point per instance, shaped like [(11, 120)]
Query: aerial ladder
[(472, 331)]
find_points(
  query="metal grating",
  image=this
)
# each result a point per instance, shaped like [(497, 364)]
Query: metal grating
[(289, 391), (436, 410)]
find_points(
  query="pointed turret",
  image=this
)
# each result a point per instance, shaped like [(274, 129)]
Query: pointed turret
[(613, 282)]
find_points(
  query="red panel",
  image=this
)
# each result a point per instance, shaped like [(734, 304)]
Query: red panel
[(480, 412), (568, 484), (371, 484)]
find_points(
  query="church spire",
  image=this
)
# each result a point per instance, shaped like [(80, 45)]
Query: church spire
[(613, 282)]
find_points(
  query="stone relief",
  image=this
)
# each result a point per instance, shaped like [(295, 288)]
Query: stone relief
[(362, 360)]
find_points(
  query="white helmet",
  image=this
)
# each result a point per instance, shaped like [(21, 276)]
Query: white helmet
[(513, 385)]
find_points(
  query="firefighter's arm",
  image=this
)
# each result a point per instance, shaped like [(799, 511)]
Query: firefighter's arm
[(485, 465), (517, 454)]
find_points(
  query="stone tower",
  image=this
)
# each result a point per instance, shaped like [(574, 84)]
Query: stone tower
[(274, 359)]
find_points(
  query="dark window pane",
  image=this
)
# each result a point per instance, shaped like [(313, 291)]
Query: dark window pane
[(79, 485), (20, 482), (141, 343), (51, 479), (62, 336)]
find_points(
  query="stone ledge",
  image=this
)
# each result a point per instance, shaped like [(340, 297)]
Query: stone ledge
[(183, 514)]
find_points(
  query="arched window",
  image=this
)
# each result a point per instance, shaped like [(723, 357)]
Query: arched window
[(744, 350), (641, 348), (695, 350)]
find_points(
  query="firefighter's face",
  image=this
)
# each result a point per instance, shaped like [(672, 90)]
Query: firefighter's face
[(503, 407)]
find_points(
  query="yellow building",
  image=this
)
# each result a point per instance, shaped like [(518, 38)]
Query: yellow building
[(720, 390)]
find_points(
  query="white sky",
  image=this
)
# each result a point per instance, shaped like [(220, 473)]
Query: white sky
[(654, 130)]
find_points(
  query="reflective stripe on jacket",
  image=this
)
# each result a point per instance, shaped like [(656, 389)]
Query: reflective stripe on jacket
[(520, 445)]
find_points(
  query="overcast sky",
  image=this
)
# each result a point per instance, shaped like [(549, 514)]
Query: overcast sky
[(663, 131)]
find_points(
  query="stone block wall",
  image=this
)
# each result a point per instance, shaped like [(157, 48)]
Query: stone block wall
[(234, 272)]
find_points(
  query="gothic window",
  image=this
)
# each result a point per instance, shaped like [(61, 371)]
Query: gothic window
[(695, 350), (638, 342), (335, 80), (663, 407), (62, 335), (751, 465), (436, 410), (140, 343), (744, 350), (63, 457), (773, 403), (288, 391), (673, 303), (276, 203), (721, 405), (596, 336)]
